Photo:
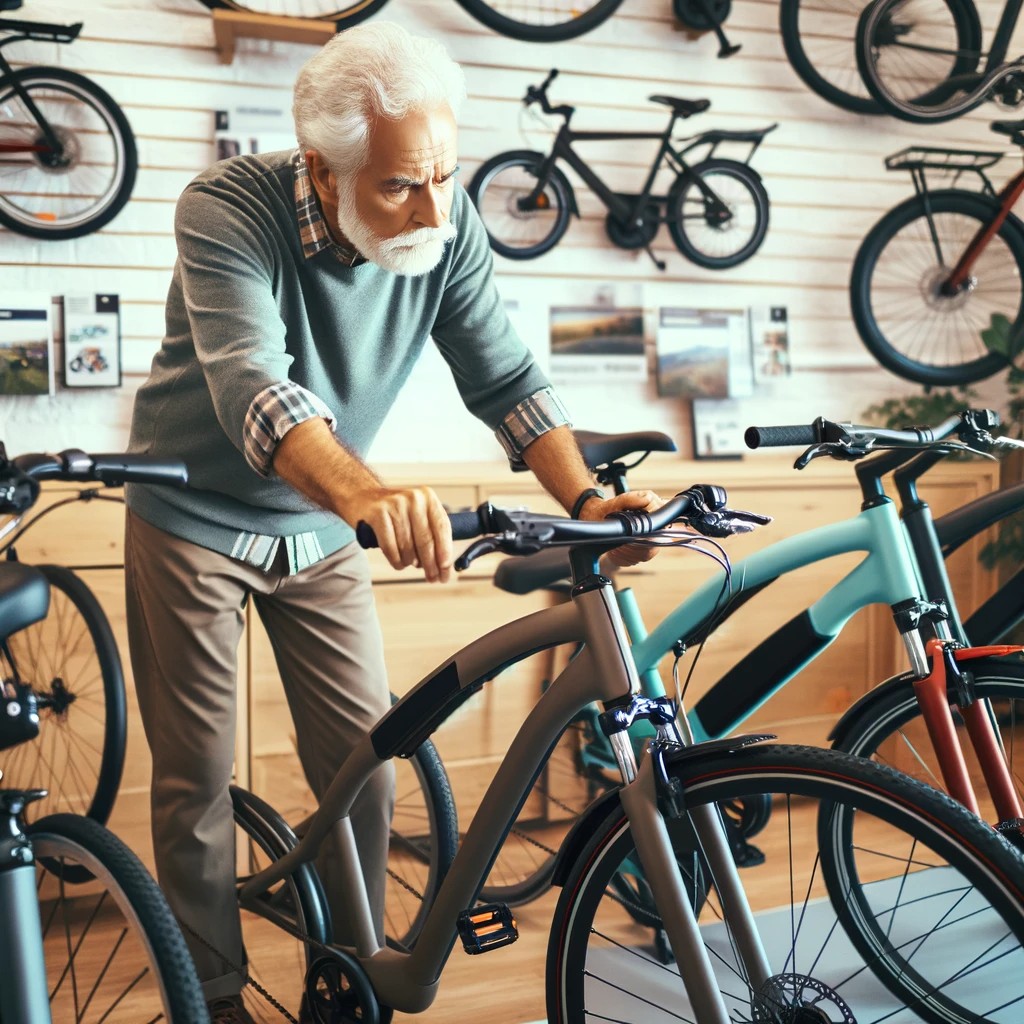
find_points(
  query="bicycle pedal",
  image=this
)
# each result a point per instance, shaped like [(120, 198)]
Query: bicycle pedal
[(488, 927)]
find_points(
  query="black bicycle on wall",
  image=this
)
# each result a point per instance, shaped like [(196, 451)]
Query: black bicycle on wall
[(716, 210), (533, 21), (67, 153)]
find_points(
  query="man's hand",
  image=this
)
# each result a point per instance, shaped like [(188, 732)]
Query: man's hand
[(411, 525), (628, 554)]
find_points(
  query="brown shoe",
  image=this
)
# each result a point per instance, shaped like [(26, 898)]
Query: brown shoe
[(229, 1010)]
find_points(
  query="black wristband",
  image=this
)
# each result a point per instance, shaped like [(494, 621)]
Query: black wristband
[(585, 496)]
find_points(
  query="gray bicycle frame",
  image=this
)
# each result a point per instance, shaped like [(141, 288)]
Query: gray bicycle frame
[(604, 672)]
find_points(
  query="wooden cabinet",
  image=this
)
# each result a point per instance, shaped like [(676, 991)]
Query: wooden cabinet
[(423, 623)]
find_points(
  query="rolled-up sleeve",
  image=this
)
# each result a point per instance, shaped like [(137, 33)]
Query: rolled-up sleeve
[(272, 413), (536, 415)]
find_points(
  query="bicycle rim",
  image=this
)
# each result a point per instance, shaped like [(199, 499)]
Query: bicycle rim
[(904, 317), (92, 179), (541, 21), (920, 58), (818, 36), (934, 888), (71, 661), (317, 10), (113, 950), (514, 232)]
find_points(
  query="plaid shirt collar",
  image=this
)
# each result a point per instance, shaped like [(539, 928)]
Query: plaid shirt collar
[(312, 229)]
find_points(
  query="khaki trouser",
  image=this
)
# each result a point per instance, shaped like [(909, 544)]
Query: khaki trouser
[(185, 615)]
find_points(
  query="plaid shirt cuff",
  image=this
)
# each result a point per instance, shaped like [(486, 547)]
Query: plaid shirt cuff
[(273, 412), (536, 415)]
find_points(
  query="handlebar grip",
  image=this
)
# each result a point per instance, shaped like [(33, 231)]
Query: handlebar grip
[(780, 437), (122, 468), (465, 526)]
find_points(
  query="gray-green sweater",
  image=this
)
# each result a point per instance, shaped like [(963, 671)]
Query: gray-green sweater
[(247, 309)]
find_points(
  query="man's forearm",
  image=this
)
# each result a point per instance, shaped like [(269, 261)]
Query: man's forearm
[(555, 460), (310, 458)]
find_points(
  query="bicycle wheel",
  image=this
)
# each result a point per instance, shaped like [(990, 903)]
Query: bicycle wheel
[(499, 185), (890, 729), (818, 39), (541, 21), (48, 195), (725, 228), (936, 892), (71, 661), (921, 59), (114, 952), (343, 14), (902, 316)]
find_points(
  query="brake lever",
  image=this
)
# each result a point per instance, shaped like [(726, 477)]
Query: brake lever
[(837, 449), (483, 546), (510, 543), (727, 522)]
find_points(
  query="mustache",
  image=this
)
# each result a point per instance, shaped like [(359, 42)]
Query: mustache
[(421, 236)]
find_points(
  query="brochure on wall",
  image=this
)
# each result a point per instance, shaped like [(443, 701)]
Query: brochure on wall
[(696, 349), (92, 341), (769, 340), (591, 342), (249, 129), (26, 344), (717, 429)]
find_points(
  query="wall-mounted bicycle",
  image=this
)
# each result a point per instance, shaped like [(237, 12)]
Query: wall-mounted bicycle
[(925, 60), (933, 273), (67, 153), (716, 210)]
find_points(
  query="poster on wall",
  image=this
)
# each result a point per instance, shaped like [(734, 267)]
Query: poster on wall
[(92, 341), (597, 343), (695, 350), (26, 345), (717, 429), (248, 129), (769, 340)]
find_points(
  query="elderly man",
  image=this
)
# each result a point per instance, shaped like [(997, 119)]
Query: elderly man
[(306, 285)]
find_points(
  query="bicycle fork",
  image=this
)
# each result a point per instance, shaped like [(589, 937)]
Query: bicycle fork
[(640, 800), (23, 995), (944, 685)]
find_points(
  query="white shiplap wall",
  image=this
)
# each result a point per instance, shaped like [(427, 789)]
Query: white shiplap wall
[(823, 169)]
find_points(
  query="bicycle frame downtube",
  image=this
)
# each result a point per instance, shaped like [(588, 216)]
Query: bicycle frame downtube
[(1004, 33), (886, 575)]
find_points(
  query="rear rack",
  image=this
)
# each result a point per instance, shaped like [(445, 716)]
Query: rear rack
[(954, 161), (38, 30)]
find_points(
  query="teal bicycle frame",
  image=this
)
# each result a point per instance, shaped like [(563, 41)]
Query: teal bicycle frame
[(888, 574)]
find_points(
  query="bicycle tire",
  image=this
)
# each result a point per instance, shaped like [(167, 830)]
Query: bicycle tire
[(495, 202), (344, 15), (714, 253), (964, 213), (889, 728), (80, 937), (108, 139), (905, 824), (940, 100), (531, 21), (71, 660), (832, 73)]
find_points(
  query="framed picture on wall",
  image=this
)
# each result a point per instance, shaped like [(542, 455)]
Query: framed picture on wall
[(92, 341), (717, 429), (26, 345), (694, 350)]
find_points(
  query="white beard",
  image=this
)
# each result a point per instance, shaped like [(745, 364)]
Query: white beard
[(410, 254)]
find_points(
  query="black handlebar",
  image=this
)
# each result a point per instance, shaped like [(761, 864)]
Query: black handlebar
[(518, 532), (539, 94), (853, 441), (20, 476)]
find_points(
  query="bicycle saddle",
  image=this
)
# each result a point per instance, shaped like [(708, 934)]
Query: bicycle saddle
[(1015, 129), (24, 597), (601, 449), (539, 571), (684, 108)]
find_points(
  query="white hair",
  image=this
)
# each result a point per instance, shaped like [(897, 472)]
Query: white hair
[(373, 70)]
